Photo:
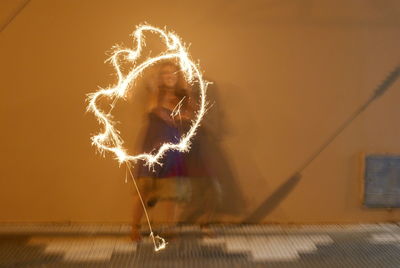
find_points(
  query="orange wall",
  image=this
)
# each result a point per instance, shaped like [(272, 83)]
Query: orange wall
[(286, 74)]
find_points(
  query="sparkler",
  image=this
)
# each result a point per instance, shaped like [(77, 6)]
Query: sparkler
[(110, 140)]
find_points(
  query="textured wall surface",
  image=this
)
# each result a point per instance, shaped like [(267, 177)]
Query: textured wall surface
[(286, 74)]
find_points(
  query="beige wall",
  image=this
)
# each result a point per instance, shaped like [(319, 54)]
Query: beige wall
[(286, 73)]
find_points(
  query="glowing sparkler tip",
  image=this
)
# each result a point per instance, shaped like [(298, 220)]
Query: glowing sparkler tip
[(159, 242)]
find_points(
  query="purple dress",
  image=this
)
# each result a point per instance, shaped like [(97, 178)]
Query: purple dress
[(160, 131)]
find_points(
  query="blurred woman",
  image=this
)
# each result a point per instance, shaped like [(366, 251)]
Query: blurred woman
[(165, 182)]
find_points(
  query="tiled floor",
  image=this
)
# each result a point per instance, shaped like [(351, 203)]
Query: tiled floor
[(374, 245)]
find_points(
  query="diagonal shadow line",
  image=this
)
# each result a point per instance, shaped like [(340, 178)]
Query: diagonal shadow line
[(273, 200), (278, 196), (13, 16)]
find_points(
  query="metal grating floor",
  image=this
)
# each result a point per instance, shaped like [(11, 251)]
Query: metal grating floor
[(372, 245)]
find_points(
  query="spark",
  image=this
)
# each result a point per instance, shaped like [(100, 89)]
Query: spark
[(109, 139), (177, 110)]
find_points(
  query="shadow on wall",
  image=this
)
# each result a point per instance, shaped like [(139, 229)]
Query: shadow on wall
[(217, 194), (220, 191), (275, 198), (256, 178)]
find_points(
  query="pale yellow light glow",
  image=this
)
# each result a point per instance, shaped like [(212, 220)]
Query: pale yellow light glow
[(110, 140)]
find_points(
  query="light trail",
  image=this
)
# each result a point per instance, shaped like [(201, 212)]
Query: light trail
[(109, 139)]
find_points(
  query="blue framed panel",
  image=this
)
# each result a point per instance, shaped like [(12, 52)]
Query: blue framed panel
[(382, 181)]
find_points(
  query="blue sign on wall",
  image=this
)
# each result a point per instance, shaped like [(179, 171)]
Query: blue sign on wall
[(382, 181)]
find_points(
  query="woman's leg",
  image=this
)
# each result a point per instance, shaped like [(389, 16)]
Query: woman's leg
[(144, 185)]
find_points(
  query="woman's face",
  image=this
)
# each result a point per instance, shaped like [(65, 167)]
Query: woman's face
[(169, 76)]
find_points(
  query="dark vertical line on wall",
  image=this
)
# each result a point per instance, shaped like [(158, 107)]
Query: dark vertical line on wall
[(14, 15)]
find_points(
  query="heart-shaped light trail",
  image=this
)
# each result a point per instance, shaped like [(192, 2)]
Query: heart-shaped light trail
[(110, 140)]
